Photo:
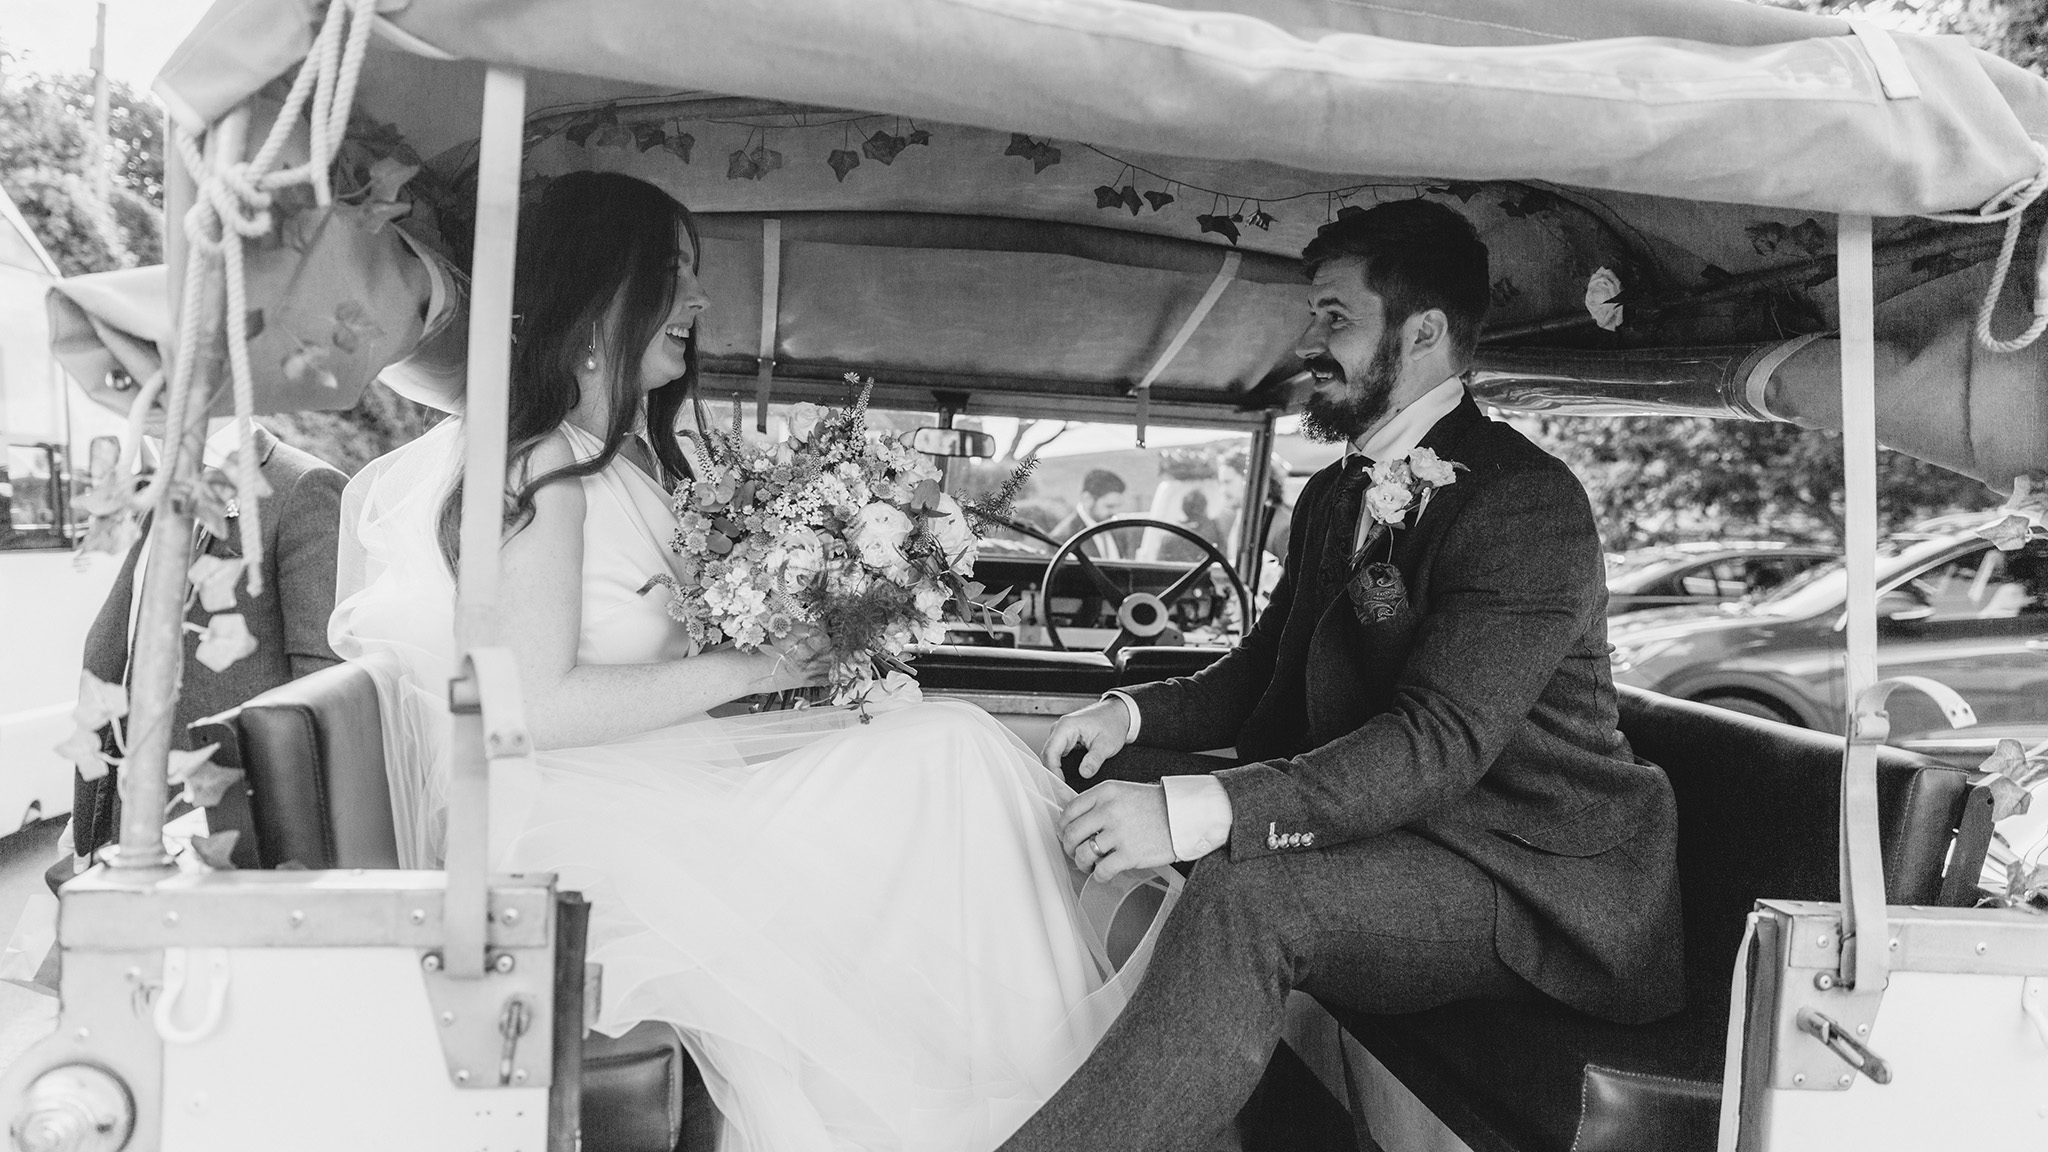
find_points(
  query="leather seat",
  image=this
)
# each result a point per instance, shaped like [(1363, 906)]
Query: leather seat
[(1757, 803), (963, 667), (314, 755)]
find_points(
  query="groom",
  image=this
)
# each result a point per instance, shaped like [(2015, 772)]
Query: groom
[(1430, 800)]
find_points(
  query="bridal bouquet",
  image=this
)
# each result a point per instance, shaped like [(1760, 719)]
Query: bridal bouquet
[(841, 528)]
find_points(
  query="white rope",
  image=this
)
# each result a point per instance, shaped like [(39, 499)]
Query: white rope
[(232, 204), (2010, 206)]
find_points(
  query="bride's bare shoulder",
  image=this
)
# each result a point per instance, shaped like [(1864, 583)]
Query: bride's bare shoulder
[(558, 506)]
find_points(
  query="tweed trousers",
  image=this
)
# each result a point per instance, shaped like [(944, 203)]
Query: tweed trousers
[(1393, 923)]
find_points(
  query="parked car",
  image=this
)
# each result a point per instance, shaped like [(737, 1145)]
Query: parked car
[(1702, 574), (1950, 607)]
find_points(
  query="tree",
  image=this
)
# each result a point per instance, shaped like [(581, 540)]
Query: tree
[(46, 166), (1660, 479)]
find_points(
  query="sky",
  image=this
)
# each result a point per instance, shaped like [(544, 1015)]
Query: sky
[(56, 35)]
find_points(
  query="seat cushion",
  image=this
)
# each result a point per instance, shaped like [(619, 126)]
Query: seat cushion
[(633, 1090), (1757, 804), (314, 751)]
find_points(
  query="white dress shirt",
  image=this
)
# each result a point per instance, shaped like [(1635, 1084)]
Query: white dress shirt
[(1198, 812)]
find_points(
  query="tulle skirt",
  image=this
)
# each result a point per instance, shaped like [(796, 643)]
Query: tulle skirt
[(866, 933)]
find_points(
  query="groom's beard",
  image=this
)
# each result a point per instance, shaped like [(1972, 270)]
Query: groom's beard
[(1330, 419)]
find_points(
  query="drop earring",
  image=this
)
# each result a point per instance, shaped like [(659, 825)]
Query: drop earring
[(590, 353)]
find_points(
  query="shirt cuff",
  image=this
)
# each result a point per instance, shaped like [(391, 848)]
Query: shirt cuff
[(1197, 815), (1131, 706)]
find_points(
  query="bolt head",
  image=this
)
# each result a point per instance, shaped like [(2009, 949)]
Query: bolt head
[(298, 918), (1863, 1029), (462, 1075), (447, 1018), (503, 963), (509, 917), (1798, 1078), (1982, 948), (1824, 980), (1846, 1078), (419, 915), (519, 1075), (431, 962)]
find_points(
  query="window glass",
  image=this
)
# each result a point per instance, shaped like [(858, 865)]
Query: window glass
[(1979, 586), (28, 499)]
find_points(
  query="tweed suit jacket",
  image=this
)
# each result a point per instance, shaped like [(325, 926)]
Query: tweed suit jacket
[(1479, 713), (301, 528)]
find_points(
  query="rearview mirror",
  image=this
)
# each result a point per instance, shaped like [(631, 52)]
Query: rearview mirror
[(954, 442)]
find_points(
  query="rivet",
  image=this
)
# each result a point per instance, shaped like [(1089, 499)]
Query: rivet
[(298, 917), (84, 1034), (1798, 1078), (509, 917), (447, 1018), (170, 919), (1894, 944), (1823, 980), (419, 915), (503, 963), (1846, 1077), (1822, 942), (431, 961), (462, 1075), (519, 1075), (1863, 1029), (1982, 948)]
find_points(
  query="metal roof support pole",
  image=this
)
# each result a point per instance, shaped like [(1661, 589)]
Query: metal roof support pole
[(771, 314), (1143, 391), (1864, 960), (475, 700), (158, 662)]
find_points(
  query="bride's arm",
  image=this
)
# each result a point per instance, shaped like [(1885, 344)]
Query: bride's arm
[(569, 704)]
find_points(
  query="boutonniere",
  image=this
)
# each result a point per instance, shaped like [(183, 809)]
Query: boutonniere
[(1398, 485)]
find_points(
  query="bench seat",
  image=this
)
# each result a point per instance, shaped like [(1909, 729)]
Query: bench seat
[(1757, 803)]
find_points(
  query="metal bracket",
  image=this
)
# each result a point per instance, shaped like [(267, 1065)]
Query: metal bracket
[(1870, 723), (470, 1014), (487, 722)]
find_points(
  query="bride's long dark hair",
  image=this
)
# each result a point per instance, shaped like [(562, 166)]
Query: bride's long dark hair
[(592, 239)]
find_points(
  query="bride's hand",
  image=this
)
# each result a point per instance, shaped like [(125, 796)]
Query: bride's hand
[(797, 660)]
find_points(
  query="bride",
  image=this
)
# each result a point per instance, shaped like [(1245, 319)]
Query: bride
[(867, 935)]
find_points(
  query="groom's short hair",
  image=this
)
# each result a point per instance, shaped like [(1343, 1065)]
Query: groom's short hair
[(1418, 255)]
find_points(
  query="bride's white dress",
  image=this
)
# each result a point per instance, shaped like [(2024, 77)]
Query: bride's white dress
[(867, 934)]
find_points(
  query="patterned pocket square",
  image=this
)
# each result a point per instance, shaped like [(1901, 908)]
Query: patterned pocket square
[(1377, 593)]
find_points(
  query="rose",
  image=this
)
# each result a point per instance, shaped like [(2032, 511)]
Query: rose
[(1388, 503), (955, 537), (1431, 469), (1601, 289), (879, 531), (803, 420), (931, 605)]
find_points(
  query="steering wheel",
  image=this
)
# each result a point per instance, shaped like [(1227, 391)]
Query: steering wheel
[(1139, 615)]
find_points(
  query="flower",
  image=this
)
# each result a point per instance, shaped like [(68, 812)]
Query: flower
[(803, 420), (1601, 289), (879, 532), (1432, 469), (803, 558), (1388, 502), (955, 536)]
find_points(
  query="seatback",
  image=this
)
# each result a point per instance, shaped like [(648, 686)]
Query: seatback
[(1757, 815), (314, 752)]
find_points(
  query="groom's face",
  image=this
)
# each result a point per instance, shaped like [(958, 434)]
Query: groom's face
[(1350, 350)]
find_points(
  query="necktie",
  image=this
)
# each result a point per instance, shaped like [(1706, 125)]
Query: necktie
[(1342, 527)]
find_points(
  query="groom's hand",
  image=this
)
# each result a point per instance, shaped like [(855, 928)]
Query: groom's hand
[(1116, 826), (1102, 728)]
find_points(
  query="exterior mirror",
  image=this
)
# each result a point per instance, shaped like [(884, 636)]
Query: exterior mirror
[(954, 442), (101, 455)]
